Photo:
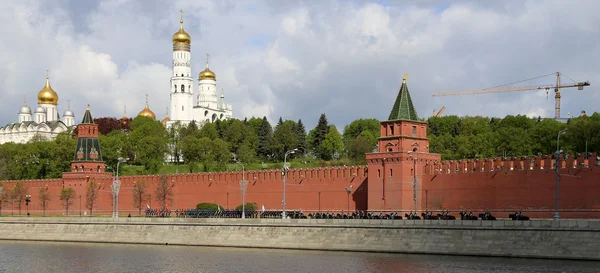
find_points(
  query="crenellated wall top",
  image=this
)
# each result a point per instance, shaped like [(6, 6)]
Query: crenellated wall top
[(521, 163)]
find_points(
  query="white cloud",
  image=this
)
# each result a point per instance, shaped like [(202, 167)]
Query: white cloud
[(301, 59)]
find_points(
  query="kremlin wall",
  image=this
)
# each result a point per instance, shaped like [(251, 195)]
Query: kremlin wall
[(401, 169)]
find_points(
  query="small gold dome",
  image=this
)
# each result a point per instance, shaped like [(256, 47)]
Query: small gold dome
[(147, 112), (47, 95), (207, 74), (181, 37), (164, 121)]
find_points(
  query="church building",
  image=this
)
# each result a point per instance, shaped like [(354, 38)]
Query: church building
[(44, 122), (208, 106)]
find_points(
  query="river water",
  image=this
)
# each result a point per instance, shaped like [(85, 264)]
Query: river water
[(90, 257)]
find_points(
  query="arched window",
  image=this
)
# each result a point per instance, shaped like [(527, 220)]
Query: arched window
[(189, 88), (182, 88), (175, 88), (98, 169)]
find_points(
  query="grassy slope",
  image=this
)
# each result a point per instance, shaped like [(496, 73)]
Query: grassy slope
[(183, 168)]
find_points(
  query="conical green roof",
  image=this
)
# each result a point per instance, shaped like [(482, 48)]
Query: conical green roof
[(87, 117), (403, 107)]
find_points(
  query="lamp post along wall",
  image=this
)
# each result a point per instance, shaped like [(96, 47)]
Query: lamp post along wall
[(117, 186), (243, 185), (284, 173), (558, 152)]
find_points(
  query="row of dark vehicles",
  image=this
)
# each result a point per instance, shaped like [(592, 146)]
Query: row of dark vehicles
[(295, 214)]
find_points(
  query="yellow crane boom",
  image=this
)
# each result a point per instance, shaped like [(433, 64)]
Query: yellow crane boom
[(556, 88)]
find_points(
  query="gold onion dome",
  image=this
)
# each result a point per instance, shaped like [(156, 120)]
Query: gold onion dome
[(207, 74), (147, 112), (165, 120), (47, 94), (181, 37)]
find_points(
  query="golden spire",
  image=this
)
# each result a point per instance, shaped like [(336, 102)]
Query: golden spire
[(207, 74), (222, 92), (147, 112), (404, 79), (181, 37), (124, 111), (166, 119), (47, 95), (88, 107)]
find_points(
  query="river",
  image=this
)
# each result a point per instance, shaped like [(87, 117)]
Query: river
[(94, 257)]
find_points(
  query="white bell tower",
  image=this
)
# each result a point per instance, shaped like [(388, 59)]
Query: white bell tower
[(182, 98)]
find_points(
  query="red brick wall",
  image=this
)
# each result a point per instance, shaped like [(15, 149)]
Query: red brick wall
[(511, 185)]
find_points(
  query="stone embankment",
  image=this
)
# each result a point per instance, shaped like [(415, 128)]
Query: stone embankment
[(564, 239)]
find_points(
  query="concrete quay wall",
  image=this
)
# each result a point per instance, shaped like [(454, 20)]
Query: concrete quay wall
[(564, 239)]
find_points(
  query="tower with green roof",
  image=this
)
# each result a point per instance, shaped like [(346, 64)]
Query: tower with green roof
[(88, 156), (402, 157)]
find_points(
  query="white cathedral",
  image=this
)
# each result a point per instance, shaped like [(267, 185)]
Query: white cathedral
[(209, 107), (43, 122)]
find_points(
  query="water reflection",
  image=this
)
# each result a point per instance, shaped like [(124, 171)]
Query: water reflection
[(87, 257)]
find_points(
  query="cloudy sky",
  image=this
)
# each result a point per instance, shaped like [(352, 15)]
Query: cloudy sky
[(298, 59)]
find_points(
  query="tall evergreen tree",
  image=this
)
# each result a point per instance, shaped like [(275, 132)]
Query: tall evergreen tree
[(265, 134), (219, 128), (279, 122), (301, 137), (320, 132)]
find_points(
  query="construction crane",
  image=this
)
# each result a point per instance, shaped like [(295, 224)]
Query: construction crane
[(501, 89), (439, 112)]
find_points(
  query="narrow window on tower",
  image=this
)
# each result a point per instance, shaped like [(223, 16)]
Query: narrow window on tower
[(392, 129), (182, 88), (414, 131), (190, 88), (182, 108), (378, 173), (175, 88)]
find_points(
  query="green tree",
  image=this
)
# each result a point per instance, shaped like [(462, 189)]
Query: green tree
[(209, 130), (207, 206), (285, 138), (301, 138), (265, 136), (361, 145), (221, 154), (139, 192), (249, 207), (92, 195), (66, 196), (3, 198), (191, 150), (332, 144), (320, 131)]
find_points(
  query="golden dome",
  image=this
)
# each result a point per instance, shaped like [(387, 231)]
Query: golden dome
[(47, 95), (166, 119), (207, 74), (181, 37), (147, 112)]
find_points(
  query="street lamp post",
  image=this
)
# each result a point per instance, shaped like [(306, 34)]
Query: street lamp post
[(243, 185), (558, 152), (80, 205), (348, 191), (117, 186), (414, 180), (319, 202), (284, 172), (27, 200)]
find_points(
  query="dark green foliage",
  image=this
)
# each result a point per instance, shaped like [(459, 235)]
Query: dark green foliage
[(249, 207), (265, 136), (301, 137), (318, 137), (207, 206)]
